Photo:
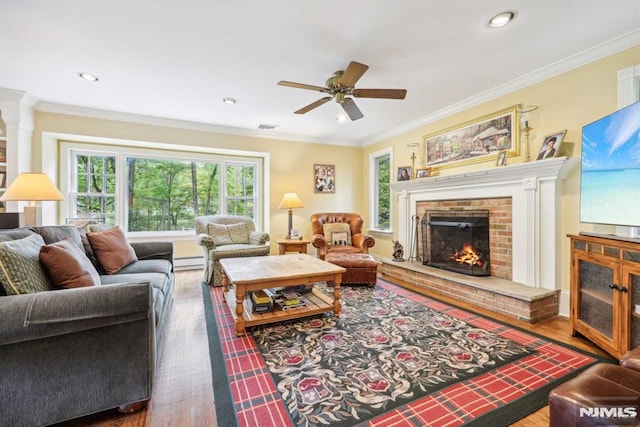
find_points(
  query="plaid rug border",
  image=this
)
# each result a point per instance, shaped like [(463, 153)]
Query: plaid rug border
[(253, 397)]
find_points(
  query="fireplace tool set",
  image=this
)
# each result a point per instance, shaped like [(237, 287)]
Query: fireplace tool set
[(413, 247)]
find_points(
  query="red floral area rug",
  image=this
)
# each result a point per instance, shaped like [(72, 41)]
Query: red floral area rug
[(392, 358)]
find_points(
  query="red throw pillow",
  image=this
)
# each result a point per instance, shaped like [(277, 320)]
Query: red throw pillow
[(67, 266), (112, 250)]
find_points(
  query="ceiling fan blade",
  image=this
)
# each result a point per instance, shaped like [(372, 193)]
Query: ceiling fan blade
[(313, 105), (352, 109), (303, 86), (352, 74), (380, 93)]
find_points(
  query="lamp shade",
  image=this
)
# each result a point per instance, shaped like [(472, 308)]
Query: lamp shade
[(32, 187), (290, 201)]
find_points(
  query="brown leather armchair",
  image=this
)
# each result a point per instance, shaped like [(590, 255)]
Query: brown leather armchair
[(360, 243), (600, 387)]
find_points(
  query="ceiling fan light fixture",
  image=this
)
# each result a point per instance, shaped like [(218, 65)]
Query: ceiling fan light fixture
[(229, 100), (501, 19), (88, 76), (342, 118)]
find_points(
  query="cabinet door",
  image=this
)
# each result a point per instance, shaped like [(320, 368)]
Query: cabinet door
[(631, 320), (596, 302)]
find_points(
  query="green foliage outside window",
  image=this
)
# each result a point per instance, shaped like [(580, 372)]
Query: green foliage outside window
[(161, 194), (166, 195), (383, 165)]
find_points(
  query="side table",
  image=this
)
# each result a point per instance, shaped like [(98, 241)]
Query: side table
[(287, 245)]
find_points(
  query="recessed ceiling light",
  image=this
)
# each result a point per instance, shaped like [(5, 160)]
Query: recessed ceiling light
[(88, 76), (229, 100), (266, 126), (501, 19), (341, 118)]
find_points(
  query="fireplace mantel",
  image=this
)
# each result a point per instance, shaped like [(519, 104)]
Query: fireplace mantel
[(535, 190)]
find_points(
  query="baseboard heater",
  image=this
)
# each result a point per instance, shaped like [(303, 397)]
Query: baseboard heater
[(188, 263)]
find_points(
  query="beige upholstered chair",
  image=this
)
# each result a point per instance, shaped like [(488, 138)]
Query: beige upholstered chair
[(227, 236), (338, 223)]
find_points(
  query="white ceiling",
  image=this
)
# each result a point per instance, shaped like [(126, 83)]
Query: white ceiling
[(177, 59)]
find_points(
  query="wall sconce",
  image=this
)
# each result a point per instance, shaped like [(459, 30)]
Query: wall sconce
[(32, 187), (290, 201), (527, 119), (413, 151)]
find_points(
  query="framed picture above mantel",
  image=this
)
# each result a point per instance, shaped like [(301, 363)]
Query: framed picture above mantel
[(474, 141)]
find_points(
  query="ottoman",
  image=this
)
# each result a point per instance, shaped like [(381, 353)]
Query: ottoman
[(361, 268)]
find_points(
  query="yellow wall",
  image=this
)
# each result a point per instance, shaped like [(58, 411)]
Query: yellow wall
[(567, 101), (291, 165)]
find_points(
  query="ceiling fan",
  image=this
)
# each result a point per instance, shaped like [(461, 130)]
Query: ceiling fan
[(341, 85)]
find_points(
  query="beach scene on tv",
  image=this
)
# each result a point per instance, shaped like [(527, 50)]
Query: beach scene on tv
[(610, 180)]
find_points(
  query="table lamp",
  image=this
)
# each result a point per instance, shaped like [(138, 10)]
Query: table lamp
[(290, 201), (32, 187)]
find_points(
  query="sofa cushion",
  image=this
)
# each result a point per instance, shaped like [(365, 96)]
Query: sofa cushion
[(147, 266), (240, 232), (220, 233), (15, 234), (55, 233), (112, 249), (67, 266), (20, 269), (337, 233)]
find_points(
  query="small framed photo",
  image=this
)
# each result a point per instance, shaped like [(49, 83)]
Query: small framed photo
[(423, 173), (296, 234), (551, 145), (404, 173), (502, 158), (324, 178)]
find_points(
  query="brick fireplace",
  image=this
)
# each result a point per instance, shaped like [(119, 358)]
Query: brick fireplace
[(499, 210), (525, 215)]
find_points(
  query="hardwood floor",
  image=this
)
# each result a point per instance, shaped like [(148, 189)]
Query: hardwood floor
[(183, 393)]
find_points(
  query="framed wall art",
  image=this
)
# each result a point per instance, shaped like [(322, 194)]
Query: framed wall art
[(551, 145), (502, 158), (324, 178), (474, 141), (404, 173)]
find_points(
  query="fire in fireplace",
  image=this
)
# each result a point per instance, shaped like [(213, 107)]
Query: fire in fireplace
[(457, 240)]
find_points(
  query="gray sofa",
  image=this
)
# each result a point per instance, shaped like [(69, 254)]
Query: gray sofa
[(68, 353)]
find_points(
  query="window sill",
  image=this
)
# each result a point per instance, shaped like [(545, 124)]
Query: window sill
[(380, 233)]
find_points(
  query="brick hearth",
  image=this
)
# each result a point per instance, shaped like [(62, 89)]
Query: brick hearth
[(512, 299)]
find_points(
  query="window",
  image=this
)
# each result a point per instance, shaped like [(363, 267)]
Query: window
[(380, 167), (240, 185), (94, 194), (166, 195), (151, 191)]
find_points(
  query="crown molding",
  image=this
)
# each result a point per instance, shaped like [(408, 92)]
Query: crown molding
[(50, 107), (585, 57)]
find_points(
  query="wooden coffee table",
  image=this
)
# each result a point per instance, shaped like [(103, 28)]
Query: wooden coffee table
[(256, 273)]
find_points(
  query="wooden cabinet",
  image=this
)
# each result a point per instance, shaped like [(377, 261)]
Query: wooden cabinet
[(605, 291)]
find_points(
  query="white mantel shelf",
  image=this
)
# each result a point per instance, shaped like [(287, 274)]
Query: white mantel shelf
[(556, 168), (535, 191)]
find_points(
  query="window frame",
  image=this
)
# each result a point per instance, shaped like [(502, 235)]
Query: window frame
[(67, 149), (374, 201)]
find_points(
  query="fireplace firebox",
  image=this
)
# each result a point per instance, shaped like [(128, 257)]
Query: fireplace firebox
[(457, 240)]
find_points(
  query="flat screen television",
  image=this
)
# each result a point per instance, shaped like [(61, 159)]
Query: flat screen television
[(610, 176)]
